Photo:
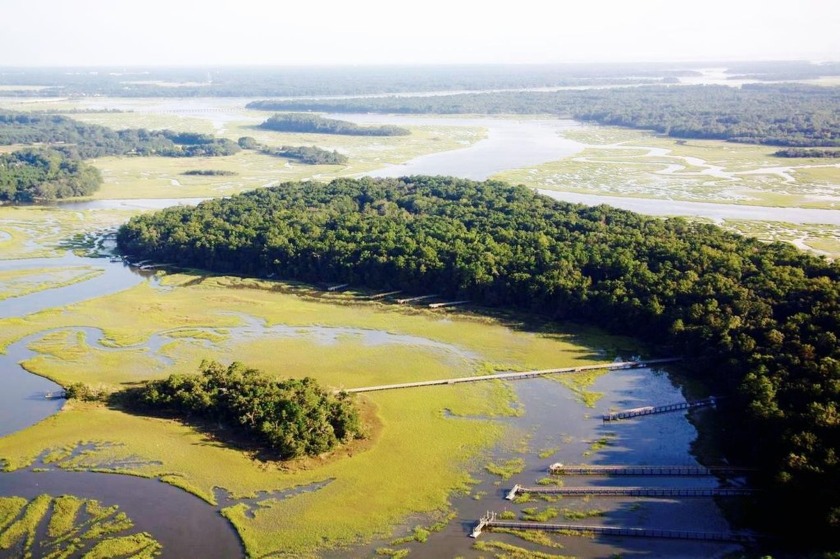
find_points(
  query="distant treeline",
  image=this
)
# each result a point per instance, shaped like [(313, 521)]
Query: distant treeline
[(298, 81), (807, 152), (782, 70), (310, 123), (292, 418), (90, 140), (309, 155), (36, 175), (785, 115), (759, 322)]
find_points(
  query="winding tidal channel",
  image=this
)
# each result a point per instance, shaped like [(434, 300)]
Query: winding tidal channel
[(557, 426)]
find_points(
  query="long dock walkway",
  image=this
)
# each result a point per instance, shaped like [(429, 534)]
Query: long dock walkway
[(516, 375), (490, 521), (650, 410), (619, 470), (601, 491)]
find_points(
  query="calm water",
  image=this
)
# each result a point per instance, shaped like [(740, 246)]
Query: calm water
[(184, 525)]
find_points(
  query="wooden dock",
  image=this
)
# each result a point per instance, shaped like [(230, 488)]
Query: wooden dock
[(490, 521), (601, 491), (514, 376), (383, 295), (339, 287), (618, 470), (447, 304), (415, 299), (651, 410)]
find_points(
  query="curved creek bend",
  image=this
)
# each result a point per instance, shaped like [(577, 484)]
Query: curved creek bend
[(555, 426)]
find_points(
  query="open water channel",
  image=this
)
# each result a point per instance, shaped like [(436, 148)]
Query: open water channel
[(554, 425)]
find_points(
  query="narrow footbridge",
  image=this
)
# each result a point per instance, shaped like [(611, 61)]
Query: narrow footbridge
[(651, 410), (490, 521), (618, 470), (600, 491), (516, 375)]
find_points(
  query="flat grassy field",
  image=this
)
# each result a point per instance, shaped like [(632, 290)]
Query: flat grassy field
[(634, 163), (149, 332)]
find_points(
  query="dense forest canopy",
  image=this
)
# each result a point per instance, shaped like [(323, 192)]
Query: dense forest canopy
[(787, 115), (292, 417), (35, 175), (316, 124), (760, 322)]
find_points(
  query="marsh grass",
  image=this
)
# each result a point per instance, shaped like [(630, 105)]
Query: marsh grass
[(16, 283), (532, 514), (200, 313), (506, 470), (503, 550), (633, 163), (69, 526), (40, 231), (532, 536)]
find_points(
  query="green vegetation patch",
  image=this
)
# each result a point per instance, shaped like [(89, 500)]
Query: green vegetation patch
[(307, 122), (506, 470), (538, 537), (39, 175), (290, 417), (503, 550), (532, 514), (74, 527)]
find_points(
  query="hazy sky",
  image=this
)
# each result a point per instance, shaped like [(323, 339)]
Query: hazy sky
[(211, 32)]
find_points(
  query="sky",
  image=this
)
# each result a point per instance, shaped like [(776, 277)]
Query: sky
[(367, 32)]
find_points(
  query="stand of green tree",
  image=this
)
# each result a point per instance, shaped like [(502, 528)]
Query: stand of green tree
[(316, 124), (292, 418), (759, 322), (759, 114), (37, 175), (90, 140), (309, 155), (807, 152)]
